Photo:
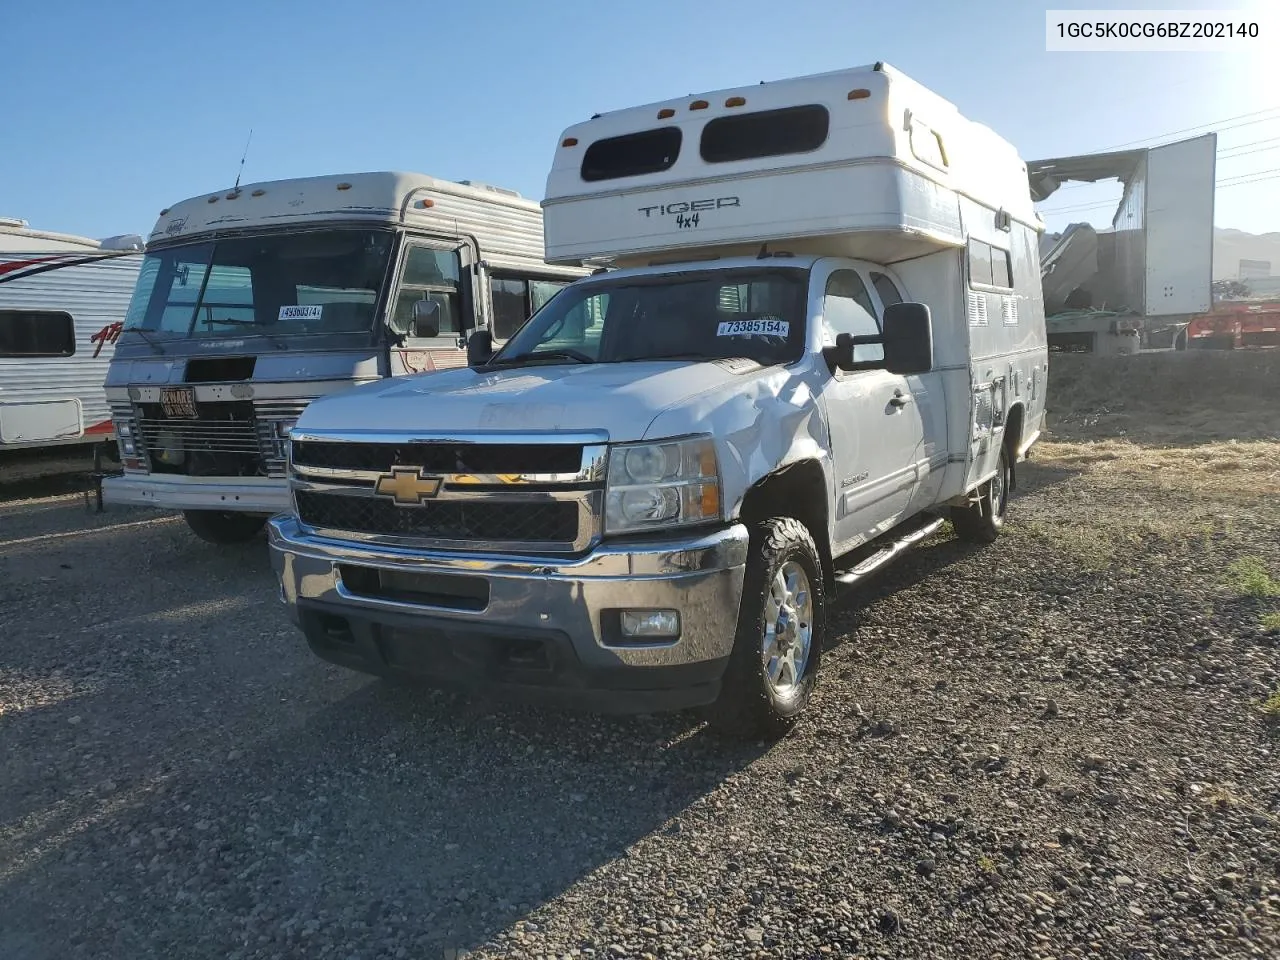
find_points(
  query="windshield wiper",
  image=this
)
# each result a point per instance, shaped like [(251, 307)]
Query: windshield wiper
[(670, 356), (577, 356), (234, 322), (155, 347)]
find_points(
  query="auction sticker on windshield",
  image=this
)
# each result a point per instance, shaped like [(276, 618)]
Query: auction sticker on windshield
[(301, 312), (768, 327)]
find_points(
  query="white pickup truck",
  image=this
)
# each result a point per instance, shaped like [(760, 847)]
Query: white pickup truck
[(815, 331)]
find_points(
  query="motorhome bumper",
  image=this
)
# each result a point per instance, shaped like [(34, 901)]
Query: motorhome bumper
[(241, 494), (533, 628)]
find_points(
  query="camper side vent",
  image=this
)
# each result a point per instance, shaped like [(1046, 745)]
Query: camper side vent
[(1009, 311), (977, 309)]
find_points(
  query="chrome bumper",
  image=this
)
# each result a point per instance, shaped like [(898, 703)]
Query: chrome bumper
[(567, 604), (240, 494)]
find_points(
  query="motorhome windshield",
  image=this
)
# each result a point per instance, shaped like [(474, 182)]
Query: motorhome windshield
[(757, 313), (318, 281)]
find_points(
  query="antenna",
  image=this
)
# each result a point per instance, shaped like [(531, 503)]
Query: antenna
[(242, 156)]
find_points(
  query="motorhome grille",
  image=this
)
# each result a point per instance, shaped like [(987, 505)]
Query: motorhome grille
[(221, 428), (441, 457), (549, 522)]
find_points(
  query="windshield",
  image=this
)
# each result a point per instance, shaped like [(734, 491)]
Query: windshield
[(757, 313), (320, 281)]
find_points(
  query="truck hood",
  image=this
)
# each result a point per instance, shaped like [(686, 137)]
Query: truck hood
[(620, 399)]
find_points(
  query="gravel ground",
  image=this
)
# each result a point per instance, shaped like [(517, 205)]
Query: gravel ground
[(1055, 748)]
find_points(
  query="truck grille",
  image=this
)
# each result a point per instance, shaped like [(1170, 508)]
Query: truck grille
[(222, 428), (436, 457), (469, 520)]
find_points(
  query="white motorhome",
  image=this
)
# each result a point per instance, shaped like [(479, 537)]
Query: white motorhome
[(822, 333), (254, 301), (62, 301)]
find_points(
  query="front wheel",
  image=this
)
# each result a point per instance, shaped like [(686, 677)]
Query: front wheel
[(781, 631), (222, 526), (981, 522)]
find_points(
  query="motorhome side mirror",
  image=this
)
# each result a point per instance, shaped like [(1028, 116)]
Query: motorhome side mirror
[(908, 338), (479, 348), (426, 318), (841, 355)]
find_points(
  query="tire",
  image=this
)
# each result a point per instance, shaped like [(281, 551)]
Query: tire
[(222, 526), (981, 522), (764, 700)]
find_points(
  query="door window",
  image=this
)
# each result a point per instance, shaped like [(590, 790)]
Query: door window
[(847, 308), (430, 273)]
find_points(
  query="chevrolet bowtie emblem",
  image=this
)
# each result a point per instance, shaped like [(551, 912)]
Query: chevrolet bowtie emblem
[(407, 486)]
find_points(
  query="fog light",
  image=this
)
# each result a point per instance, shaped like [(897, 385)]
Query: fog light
[(641, 624)]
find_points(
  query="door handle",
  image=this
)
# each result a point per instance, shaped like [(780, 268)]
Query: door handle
[(899, 399)]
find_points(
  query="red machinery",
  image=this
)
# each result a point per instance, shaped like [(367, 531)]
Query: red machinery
[(1235, 325)]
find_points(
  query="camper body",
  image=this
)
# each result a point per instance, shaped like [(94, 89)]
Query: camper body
[(821, 332), (62, 300), (256, 300)]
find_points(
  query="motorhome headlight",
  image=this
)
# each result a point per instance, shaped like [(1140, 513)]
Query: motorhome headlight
[(666, 484), (125, 438)]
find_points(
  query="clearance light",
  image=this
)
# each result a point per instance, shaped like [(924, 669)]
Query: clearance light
[(344, 186), (569, 142), (699, 105), (164, 211), (213, 199), (860, 94), (736, 102), (666, 112), (257, 193), (428, 204), (233, 194)]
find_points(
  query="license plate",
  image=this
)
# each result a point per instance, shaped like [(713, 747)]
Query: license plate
[(179, 403)]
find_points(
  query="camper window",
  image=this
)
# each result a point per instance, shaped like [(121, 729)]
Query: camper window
[(765, 133), (36, 333), (631, 155), (988, 266), (927, 146), (516, 299), (847, 308)]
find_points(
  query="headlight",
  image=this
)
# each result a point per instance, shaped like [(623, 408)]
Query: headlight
[(667, 484), (124, 437)]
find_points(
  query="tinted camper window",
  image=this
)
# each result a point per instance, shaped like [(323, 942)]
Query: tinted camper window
[(989, 266), (36, 333), (765, 133), (633, 154)]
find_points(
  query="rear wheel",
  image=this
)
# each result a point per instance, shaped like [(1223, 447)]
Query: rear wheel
[(781, 630), (981, 522), (223, 526)]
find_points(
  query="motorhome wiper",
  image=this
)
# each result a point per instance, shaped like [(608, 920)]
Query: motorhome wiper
[(670, 356), (234, 322), (155, 347)]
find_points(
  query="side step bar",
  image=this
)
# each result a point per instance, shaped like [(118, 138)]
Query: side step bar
[(888, 552)]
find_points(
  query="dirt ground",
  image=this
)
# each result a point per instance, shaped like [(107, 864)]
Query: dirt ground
[(1065, 745)]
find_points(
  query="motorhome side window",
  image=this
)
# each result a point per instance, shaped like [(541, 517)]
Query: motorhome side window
[(631, 155), (847, 308), (36, 333), (430, 274), (927, 146), (989, 266), (516, 299), (765, 133)]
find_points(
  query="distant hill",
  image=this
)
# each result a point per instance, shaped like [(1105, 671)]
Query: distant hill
[(1231, 246)]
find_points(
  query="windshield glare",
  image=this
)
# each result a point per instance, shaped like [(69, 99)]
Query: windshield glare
[(757, 313), (322, 281)]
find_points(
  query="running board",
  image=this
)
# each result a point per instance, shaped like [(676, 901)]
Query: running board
[(888, 552)]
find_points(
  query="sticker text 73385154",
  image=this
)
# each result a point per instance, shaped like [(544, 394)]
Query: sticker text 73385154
[(762, 327)]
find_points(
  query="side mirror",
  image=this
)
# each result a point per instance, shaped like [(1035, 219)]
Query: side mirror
[(479, 348), (908, 338), (426, 318)]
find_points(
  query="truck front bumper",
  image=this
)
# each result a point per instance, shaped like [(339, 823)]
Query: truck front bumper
[(266, 495), (541, 629)]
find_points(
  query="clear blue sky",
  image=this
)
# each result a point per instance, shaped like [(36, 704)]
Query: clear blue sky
[(117, 108)]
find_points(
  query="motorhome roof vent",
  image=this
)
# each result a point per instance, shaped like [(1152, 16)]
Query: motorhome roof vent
[(127, 241), (13, 222), (478, 185)]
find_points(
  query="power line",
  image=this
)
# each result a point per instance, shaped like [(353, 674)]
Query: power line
[(1245, 153), (1242, 183), (1200, 126)]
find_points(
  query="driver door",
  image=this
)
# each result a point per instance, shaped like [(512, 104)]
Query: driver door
[(876, 428), (432, 271)]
